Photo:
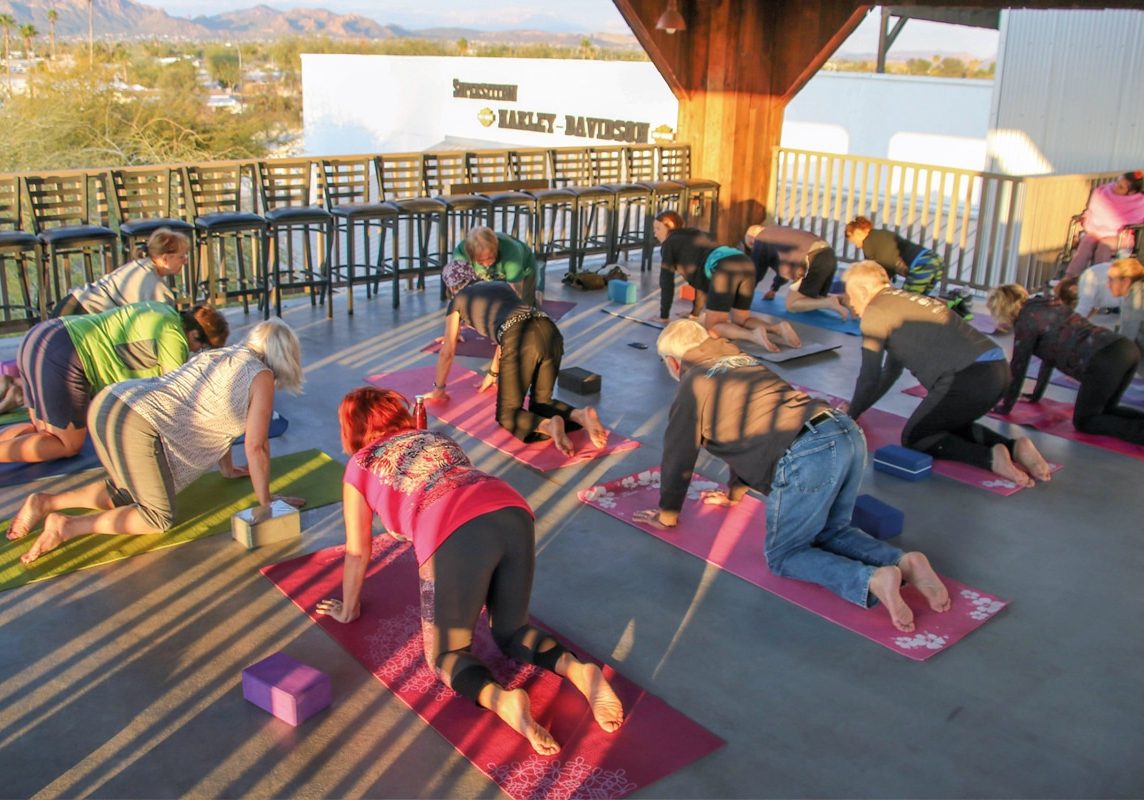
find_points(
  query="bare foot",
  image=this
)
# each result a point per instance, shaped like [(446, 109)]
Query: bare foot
[(52, 537), (770, 295), (1003, 465), (513, 706), (29, 515), (596, 430), (1031, 459), (886, 585), (589, 679), (759, 335), (842, 310), (918, 573), (554, 429), (788, 334)]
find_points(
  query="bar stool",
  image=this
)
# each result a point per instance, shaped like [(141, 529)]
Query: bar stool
[(593, 222), (555, 234), (286, 191), (630, 202), (423, 218), (25, 252), (701, 198), (350, 187), (463, 211), (215, 192), (70, 217)]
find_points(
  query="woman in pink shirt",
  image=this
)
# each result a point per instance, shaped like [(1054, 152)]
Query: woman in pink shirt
[(473, 537), (1111, 207)]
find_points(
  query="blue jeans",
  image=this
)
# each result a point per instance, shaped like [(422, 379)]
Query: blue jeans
[(809, 535)]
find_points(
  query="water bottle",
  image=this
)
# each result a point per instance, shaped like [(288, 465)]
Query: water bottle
[(420, 418)]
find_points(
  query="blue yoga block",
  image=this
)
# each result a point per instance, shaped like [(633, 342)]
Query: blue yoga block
[(620, 291), (880, 520), (903, 462)]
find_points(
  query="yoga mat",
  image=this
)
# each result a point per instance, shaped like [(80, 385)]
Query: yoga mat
[(475, 414), (18, 472), (650, 321), (654, 741), (12, 417), (1055, 418), (1133, 395), (883, 428), (278, 426), (478, 346), (793, 353), (204, 509), (818, 317), (733, 540)]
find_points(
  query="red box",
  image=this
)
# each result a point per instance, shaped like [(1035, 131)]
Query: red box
[(687, 292)]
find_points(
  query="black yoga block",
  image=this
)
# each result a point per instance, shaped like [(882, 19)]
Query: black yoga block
[(578, 380)]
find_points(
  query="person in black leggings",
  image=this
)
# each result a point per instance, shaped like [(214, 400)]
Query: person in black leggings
[(1104, 362), (963, 371), (525, 365), (474, 541)]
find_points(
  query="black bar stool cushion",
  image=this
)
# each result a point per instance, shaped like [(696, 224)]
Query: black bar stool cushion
[(17, 240), (364, 210), (225, 221), (77, 235), (145, 227), (298, 215), (420, 204)]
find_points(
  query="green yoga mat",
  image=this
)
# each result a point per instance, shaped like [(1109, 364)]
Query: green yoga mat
[(20, 415), (204, 509)]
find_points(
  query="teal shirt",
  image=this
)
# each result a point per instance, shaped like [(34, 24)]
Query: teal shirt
[(515, 261), (141, 340)]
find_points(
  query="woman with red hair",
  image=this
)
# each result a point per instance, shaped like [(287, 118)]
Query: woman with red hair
[(473, 537)]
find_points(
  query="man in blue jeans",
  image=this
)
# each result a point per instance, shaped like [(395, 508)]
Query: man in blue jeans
[(805, 456)]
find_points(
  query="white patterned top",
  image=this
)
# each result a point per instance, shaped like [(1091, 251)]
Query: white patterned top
[(199, 409), (134, 282)]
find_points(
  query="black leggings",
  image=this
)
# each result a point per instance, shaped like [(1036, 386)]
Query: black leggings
[(1098, 408), (732, 285), (488, 561), (945, 424), (529, 365)]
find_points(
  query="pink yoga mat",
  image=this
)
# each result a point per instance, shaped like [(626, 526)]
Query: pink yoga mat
[(883, 428), (475, 414), (655, 739), (1054, 417), (732, 539), (478, 346)]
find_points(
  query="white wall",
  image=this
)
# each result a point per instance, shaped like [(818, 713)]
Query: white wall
[(371, 104)]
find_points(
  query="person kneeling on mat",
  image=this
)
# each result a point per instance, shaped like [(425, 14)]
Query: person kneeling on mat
[(805, 456), (801, 257), (526, 361), (473, 536), (963, 371)]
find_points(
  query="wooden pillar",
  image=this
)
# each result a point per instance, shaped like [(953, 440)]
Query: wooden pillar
[(734, 69)]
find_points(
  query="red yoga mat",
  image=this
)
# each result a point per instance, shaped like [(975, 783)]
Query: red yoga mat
[(475, 414), (1055, 418), (478, 346), (654, 741), (883, 428), (733, 540)]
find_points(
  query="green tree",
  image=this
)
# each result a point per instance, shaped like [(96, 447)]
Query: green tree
[(91, 33), (28, 32), (223, 66), (463, 46), (53, 17), (951, 68), (7, 22), (917, 66)]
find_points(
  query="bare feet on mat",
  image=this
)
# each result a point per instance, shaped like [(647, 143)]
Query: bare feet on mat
[(886, 585), (918, 573), (29, 515), (788, 335), (589, 679), (759, 336), (513, 706), (554, 429), (596, 430), (770, 295), (1003, 465), (1027, 455), (51, 538)]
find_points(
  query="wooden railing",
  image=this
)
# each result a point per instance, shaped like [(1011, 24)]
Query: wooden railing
[(989, 228)]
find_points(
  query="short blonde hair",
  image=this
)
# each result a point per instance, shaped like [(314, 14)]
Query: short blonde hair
[(277, 345), (867, 274), (1004, 302), (481, 240), (679, 337), (1129, 268)]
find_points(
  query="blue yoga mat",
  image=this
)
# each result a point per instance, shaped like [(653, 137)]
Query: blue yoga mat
[(278, 426), (821, 319)]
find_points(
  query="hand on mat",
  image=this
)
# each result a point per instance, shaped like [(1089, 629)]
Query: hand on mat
[(487, 382), (716, 497), (1028, 397), (657, 518), (336, 610)]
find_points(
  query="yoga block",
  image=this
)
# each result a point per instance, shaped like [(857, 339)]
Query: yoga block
[(579, 380), (903, 462), (287, 688), (622, 292), (283, 523), (10, 369), (687, 292), (880, 520)]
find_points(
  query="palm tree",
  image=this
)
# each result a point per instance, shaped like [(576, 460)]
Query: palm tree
[(53, 15), (7, 22), (27, 33)]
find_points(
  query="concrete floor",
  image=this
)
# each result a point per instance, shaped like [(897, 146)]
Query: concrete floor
[(123, 681)]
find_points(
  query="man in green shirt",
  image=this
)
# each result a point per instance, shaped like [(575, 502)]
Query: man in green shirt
[(499, 257)]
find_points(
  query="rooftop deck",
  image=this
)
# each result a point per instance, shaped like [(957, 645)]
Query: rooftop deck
[(123, 681)]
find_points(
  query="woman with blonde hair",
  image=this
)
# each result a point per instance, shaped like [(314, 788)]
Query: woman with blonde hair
[(1104, 362), (1126, 282), (154, 436)]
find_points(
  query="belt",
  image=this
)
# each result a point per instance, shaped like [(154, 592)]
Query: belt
[(516, 318), (817, 419)]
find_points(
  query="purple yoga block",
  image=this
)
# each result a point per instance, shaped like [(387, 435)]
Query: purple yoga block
[(286, 688), (10, 369), (880, 520)]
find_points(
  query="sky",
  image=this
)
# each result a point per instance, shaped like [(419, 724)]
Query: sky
[(579, 16)]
